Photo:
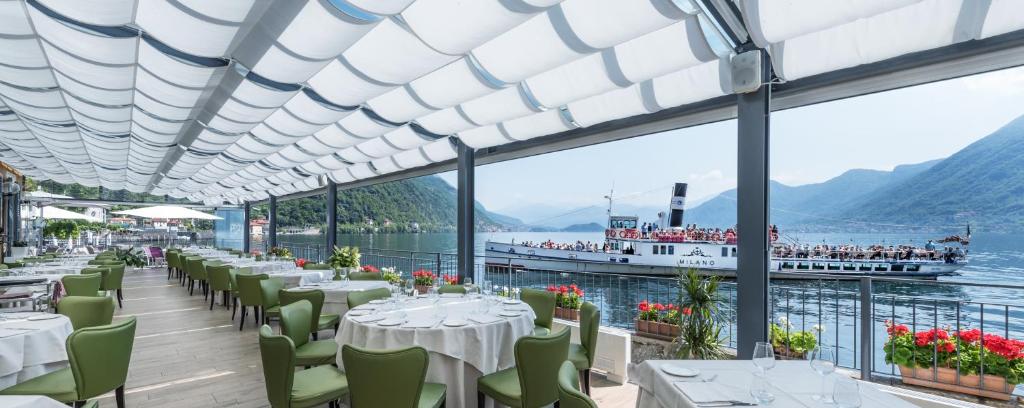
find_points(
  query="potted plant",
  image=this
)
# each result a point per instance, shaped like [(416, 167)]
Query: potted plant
[(280, 252), (700, 335), (390, 275), (451, 279), (131, 257), (670, 322), (568, 300), (301, 262), (954, 361), (423, 280), (344, 259), (788, 343), (19, 249), (648, 313)]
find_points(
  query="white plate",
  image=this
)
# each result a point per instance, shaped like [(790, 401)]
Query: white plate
[(378, 302), (512, 302), (43, 317), (363, 312), (455, 323), (510, 314), (391, 322), (680, 371)]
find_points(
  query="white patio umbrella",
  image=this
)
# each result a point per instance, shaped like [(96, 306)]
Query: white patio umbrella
[(169, 212), (54, 213)]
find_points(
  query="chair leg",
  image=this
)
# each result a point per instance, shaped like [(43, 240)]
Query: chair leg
[(120, 298), (80, 404), (191, 286), (481, 399), (211, 302), (336, 325), (241, 321), (234, 307), (316, 336), (585, 375), (256, 315), (225, 300), (119, 396)]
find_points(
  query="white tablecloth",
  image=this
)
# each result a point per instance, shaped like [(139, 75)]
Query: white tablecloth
[(794, 384), (458, 355), (336, 293), (26, 354), (292, 275), (29, 401)]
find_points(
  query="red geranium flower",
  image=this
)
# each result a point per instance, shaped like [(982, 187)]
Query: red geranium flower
[(687, 311)]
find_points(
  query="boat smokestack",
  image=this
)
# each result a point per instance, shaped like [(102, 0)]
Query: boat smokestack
[(675, 208)]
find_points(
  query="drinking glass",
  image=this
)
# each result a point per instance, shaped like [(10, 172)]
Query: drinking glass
[(467, 283), (764, 356), (761, 390), (846, 393), (823, 362)]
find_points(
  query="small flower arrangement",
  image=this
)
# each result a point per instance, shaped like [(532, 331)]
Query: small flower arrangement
[(451, 279), (424, 277), (301, 262), (390, 275), (280, 252), (369, 269), (511, 293), (790, 343), (659, 320), (568, 300), (931, 358)]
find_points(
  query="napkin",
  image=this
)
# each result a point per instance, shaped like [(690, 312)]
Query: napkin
[(451, 295), (707, 392), (365, 307), (485, 319), (421, 323), (368, 318)]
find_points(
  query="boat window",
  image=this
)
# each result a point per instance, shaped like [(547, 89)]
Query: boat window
[(733, 252), (725, 252), (655, 249), (663, 250), (671, 249)]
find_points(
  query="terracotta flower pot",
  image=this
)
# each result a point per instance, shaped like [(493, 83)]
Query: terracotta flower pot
[(422, 289), (943, 378), (643, 326), (567, 314)]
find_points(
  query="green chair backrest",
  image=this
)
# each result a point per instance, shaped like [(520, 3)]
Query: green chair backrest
[(278, 355), (97, 262), (315, 297), (82, 285), (87, 311), (196, 267), (100, 356), (172, 259), (249, 292), (452, 289), (365, 296), (385, 378), (15, 264), (220, 277), (363, 276), (569, 395), (268, 292), (295, 321), (537, 361), (543, 304), (3, 266), (113, 279), (316, 267), (233, 278), (590, 321)]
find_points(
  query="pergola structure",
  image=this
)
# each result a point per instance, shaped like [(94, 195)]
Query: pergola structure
[(252, 100)]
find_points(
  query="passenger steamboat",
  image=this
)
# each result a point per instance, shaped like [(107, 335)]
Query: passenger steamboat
[(663, 248)]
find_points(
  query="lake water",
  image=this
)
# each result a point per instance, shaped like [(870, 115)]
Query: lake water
[(996, 259)]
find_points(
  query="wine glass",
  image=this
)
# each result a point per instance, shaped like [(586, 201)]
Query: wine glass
[(764, 356), (823, 362), (846, 393), (761, 390), (467, 283)]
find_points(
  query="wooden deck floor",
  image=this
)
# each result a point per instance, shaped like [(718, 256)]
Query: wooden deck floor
[(188, 356)]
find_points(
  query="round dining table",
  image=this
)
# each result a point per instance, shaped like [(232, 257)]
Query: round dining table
[(31, 344), (465, 337), (336, 292)]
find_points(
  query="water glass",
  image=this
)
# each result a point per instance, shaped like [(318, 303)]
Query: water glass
[(846, 393), (823, 362), (761, 390), (764, 356)]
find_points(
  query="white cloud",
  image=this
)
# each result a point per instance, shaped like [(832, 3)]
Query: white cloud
[(1006, 82)]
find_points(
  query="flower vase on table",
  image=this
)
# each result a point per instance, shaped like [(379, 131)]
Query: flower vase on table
[(423, 280)]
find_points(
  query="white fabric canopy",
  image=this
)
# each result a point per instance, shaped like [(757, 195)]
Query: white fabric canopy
[(55, 213), (234, 100), (172, 212)]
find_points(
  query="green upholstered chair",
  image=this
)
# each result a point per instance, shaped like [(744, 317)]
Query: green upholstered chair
[(365, 296), (99, 357), (390, 378), (82, 285), (582, 355), (196, 267), (316, 267), (220, 281), (270, 304), (114, 280), (531, 383), (87, 311), (295, 324), (96, 262), (172, 264), (364, 276), (15, 264), (319, 321), (452, 289), (102, 270), (543, 304), (287, 388), (233, 277), (569, 395), (249, 294)]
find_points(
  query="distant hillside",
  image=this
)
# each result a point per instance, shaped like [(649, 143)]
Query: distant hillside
[(810, 204), (589, 227), (545, 217), (983, 184)]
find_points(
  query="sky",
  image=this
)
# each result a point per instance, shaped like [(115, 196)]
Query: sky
[(809, 145)]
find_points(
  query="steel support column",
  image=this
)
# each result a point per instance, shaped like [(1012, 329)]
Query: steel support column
[(272, 222), (752, 196), (332, 217), (466, 222), (246, 209)]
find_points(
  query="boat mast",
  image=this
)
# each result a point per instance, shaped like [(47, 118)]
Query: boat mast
[(609, 198)]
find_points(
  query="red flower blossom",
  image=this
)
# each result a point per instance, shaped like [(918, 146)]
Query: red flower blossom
[(687, 311), (370, 268), (563, 289), (659, 307), (644, 306), (970, 336), (552, 288), (926, 337)]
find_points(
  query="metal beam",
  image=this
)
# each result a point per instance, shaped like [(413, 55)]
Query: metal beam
[(246, 210), (332, 216), (465, 203), (752, 206), (272, 222)]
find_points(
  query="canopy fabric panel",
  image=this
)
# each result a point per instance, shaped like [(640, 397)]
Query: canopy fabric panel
[(236, 100), (168, 212)]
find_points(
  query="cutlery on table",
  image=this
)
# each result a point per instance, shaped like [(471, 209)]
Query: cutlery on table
[(727, 404)]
